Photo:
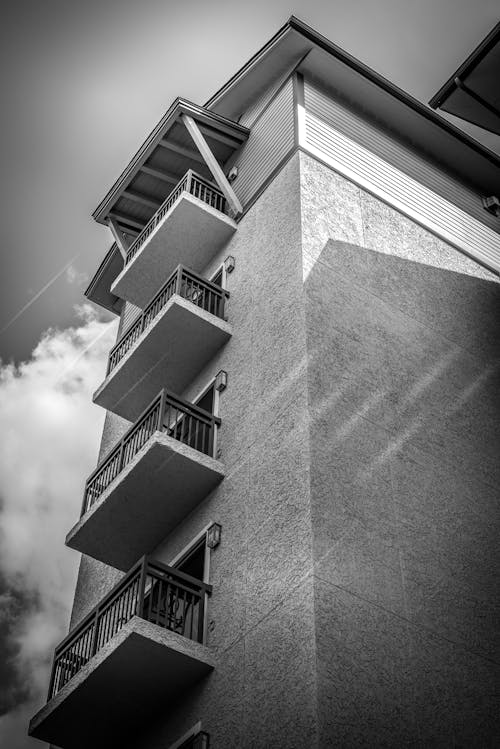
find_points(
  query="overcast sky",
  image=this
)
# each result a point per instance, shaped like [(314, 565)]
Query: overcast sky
[(83, 83)]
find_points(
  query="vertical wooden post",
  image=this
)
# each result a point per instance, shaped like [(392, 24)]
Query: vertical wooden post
[(178, 280), (93, 647), (142, 586), (161, 413)]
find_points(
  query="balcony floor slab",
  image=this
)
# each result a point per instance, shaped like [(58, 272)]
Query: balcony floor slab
[(190, 233), (177, 345), (138, 671), (149, 497)]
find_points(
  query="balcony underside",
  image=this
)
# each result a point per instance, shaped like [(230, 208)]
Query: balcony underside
[(181, 340), (151, 495), (191, 233), (140, 670)]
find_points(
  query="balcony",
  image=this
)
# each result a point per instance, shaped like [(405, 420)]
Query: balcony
[(180, 330), (141, 646), (190, 226), (161, 469)]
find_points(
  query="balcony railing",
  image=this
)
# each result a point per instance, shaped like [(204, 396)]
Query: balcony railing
[(180, 419), (186, 284), (151, 590), (191, 183)]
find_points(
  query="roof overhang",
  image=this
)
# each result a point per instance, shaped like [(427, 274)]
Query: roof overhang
[(367, 92), (98, 290), (168, 151), (473, 91)]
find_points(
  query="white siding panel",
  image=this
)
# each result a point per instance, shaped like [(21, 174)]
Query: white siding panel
[(271, 138), (394, 173)]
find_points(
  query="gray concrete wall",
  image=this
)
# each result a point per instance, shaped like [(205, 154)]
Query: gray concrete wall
[(403, 343)]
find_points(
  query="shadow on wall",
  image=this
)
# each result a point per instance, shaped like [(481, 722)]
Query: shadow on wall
[(404, 392), (411, 348)]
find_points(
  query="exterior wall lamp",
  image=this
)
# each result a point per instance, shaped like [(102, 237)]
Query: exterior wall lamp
[(213, 535), (221, 381), (229, 264)]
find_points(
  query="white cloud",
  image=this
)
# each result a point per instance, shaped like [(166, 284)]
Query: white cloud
[(74, 276), (50, 435)]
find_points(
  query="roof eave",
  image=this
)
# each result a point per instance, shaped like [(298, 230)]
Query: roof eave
[(178, 107)]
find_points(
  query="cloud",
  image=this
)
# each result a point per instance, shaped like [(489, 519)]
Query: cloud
[(50, 436), (74, 276)]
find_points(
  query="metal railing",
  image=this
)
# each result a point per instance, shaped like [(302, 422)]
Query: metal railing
[(168, 413), (187, 284), (196, 186), (151, 590)]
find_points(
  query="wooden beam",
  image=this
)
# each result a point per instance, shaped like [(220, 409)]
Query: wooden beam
[(210, 132), (121, 241), (123, 219), (141, 198), (170, 178), (187, 152), (212, 163)]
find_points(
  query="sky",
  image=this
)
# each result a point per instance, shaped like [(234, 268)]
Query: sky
[(82, 84)]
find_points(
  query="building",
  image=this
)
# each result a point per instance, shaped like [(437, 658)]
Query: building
[(291, 538)]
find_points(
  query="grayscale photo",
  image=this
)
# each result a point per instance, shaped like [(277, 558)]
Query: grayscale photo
[(250, 375)]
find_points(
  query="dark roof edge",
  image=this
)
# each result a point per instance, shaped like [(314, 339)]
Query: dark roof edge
[(113, 250), (466, 67), (314, 37), (178, 105)]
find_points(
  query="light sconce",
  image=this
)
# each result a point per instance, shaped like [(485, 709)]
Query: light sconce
[(213, 535), (221, 381), (491, 204), (229, 264), (233, 173)]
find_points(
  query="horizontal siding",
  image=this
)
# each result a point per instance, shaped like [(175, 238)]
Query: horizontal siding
[(271, 138), (385, 167), (130, 313)]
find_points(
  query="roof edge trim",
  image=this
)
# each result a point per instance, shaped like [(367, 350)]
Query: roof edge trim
[(466, 67), (178, 106), (295, 24)]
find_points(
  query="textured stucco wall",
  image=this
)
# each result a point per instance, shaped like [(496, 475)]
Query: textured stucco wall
[(403, 342), (261, 611), (260, 614), (354, 588)]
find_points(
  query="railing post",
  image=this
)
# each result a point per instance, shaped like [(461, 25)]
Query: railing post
[(84, 503), (120, 458), (161, 413), (142, 586), (189, 175), (52, 676), (201, 616), (178, 281), (93, 646)]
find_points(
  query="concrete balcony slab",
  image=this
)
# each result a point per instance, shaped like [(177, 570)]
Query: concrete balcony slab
[(164, 481), (177, 345), (191, 232), (140, 670)]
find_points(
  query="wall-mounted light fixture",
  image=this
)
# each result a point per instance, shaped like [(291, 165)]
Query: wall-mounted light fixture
[(491, 204), (232, 174), (221, 381), (229, 264), (213, 535)]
